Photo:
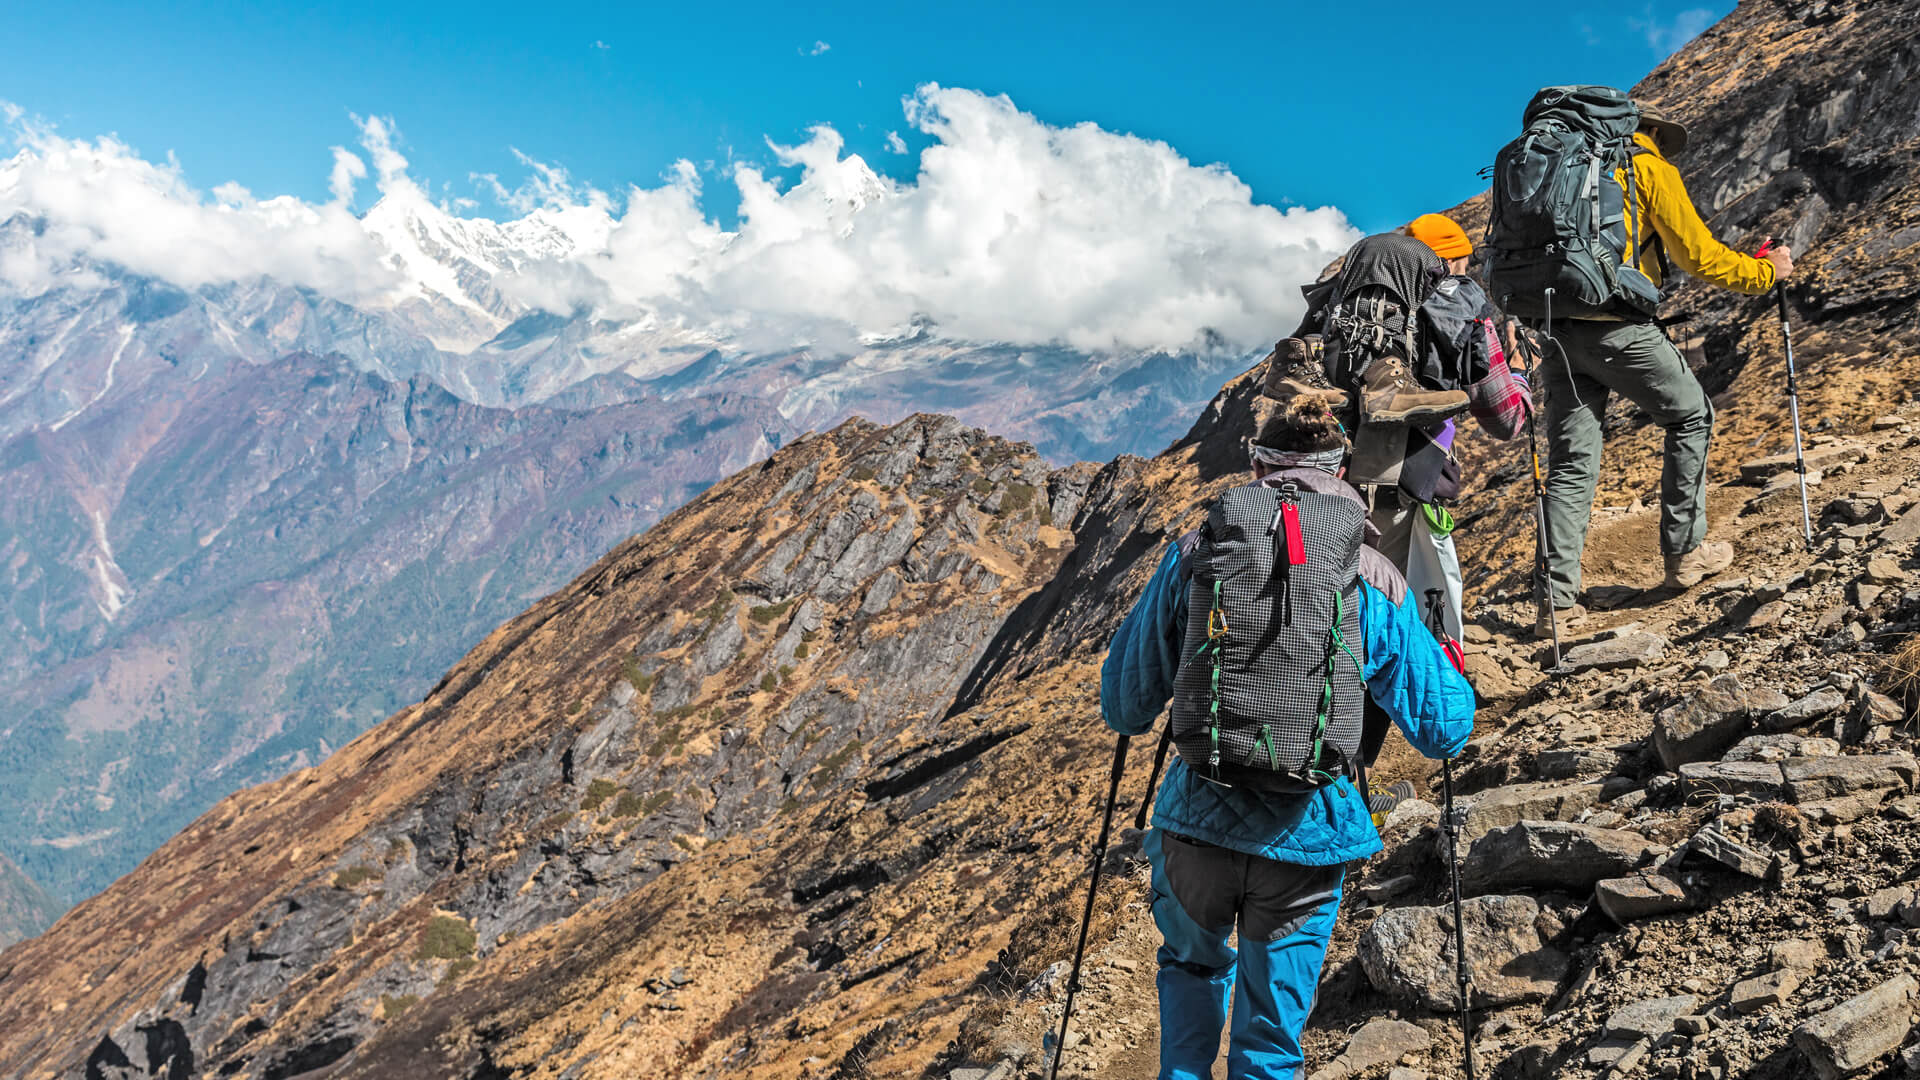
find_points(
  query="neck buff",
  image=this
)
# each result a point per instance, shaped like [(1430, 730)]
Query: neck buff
[(1325, 460)]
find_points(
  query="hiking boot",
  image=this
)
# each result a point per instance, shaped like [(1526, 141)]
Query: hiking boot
[(1381, 803), (1294, 370), (1686, 571), (1393, 396), (1543, 625)]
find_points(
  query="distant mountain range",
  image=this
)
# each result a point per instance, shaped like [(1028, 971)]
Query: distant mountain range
[(241, 522)]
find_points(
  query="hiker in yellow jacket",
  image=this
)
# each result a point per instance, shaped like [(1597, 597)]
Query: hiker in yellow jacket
[(1611, 353)]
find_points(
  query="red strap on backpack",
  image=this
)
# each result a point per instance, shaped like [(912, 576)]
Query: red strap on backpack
[(1296, 542)]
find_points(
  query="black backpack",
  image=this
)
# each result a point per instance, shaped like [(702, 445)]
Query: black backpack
[(1558, 218), (1370, 310), (1269, 693)]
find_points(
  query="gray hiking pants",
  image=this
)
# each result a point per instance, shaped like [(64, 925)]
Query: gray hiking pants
[(1637, 361)]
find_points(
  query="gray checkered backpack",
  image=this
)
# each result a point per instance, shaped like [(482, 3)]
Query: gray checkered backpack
[(1269, 693)]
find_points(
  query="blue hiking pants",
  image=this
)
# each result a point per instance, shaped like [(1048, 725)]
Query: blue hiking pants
[(1285, 915)]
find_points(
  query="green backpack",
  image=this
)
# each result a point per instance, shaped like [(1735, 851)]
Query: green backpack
[(1558, 220)]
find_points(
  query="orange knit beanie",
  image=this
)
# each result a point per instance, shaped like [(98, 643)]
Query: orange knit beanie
[(1439, 232)]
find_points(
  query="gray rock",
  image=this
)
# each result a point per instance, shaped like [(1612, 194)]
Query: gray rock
[(1708, 721), (1850, 1036), (1757, 778), (1632, 650), (1812, 779), (1649, 1019), (1514, 803), (1882, 570), (1821, 703), (1568, 762), (1378, 1042), (1884, 903), (1408, 953), (1713, 844), (1550, 855), (1803, 954), (1763, 991), (1640, 896), (1817, 457)]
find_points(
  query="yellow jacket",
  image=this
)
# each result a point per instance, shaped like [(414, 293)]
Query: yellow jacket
[(1662, 195)]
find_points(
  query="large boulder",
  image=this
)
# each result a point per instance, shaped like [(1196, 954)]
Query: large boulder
[(1408, 953), (1850, 1036), (1550, 855), (1710, 720), (1811, 779), (1500, 807)]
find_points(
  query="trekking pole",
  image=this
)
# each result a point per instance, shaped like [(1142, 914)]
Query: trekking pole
[(1461, 978), (1086, 918), (1451, 826), (1542, 569), (1153, 778), (1793, 404)]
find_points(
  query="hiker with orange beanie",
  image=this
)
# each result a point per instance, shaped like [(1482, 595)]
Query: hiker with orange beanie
[(1462, 346)]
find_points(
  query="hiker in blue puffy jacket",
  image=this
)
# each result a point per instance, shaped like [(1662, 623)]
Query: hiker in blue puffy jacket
[(1270, 864)]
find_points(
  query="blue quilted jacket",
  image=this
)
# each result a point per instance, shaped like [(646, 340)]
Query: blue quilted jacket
[(1405, 672)]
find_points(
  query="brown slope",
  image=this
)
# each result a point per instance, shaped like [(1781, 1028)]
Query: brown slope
[(857, 927), (809, 618)]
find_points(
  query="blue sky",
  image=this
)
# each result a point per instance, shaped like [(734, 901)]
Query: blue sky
[(1384, 109)]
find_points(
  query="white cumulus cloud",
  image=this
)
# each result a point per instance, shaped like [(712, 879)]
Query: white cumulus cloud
[(818, 48), (896, 144), (1013, 230), (98, 200)]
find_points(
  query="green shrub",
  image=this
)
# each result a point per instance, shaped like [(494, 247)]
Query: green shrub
[(768, 682), (630, 671), (355, 875), (574, 709), (654, 802), (788, 805), (786, 672), (598, 792), (552, 823), (666, 742), (863, 474), (447, 938), (685, 844), (392, 1006), (458, 968), (1017, 498), (801, 651), (982, 485), (766, 613), (809, 635), (722, 601), (627, 805)]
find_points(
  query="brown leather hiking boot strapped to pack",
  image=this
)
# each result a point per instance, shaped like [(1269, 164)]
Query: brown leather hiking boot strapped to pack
[(1294, 369), (1393, 396)]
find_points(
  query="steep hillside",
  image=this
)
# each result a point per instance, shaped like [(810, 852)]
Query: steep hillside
[(227, 577), (803, 781)]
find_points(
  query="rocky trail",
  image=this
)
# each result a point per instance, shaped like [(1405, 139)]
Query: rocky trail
[(1692, 855)]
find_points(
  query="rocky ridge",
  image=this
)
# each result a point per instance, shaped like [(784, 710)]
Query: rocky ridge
[(911, 919)]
